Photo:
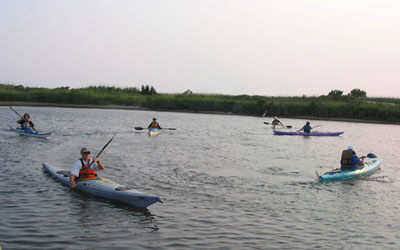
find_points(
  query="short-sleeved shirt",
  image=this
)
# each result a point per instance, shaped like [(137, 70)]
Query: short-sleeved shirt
[(78, 166)]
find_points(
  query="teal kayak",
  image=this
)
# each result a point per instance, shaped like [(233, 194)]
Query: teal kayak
[(338, 174), (105, 188)]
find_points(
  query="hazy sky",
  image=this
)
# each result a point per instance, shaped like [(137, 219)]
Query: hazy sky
[(254, 47)]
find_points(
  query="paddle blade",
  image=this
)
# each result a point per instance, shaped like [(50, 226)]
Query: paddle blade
[(138, 128), (371, 155), (288, 126), (266, 122)]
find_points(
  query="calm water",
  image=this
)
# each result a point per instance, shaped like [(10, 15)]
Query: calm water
[(226, 181)]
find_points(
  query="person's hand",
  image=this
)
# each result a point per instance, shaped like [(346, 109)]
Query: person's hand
[(73, 185), (95, 159)]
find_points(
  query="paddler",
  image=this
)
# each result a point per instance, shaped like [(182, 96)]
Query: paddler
[(85, 168), (276, 122), (154, 124), (26, 123), (306, 128), (350, 160)]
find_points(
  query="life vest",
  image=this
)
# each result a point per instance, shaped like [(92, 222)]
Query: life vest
[(155, 125), (347, 158), (26, 124), (87, 173)]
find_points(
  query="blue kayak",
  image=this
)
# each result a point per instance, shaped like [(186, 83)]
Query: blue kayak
[(105, 188), (278, 132), (30, 132), (338, 174)]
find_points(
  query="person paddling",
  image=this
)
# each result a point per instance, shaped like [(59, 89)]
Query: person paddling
[(306, 128), (350, 160), (276, 122), (154, 124), (85, 168), (26, 123)]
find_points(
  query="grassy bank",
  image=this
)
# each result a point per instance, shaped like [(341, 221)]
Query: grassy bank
[(322, 107)]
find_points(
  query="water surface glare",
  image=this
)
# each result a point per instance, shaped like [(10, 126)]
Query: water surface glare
[(226, 181)]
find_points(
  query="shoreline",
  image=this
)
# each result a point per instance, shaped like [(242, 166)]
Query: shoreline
[(122, 107)]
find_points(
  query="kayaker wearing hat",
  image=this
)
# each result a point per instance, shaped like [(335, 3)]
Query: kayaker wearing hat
[(350, 160), (154, 124), (276, 121), (26, 123), (85, 168)]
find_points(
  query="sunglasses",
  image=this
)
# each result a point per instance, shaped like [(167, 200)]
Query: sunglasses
[(86, 153)]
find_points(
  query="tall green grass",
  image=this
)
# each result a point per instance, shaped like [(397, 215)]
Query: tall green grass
[(325, 107)]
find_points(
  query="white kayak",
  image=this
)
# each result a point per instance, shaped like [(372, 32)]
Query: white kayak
[(30, 132), (105, 188), (154, 131)]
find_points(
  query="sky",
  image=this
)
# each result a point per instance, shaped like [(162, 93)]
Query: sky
[(234, 47)]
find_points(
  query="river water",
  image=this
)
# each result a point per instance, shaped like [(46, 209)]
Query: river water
[(226, 182)]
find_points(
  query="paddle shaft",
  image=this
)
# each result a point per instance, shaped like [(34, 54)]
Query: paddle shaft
[(101, 151), (16, 112), (141, 128)]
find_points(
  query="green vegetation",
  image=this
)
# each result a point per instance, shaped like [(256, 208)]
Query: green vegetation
[(355, 105)]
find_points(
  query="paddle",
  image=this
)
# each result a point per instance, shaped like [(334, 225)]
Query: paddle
[(371, 155), (288, 126), (141, 128), (101, 151), (311, 128), (16, 112)]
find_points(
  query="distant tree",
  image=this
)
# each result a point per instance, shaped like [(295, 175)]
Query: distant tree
[(358, 93), (188, 92), (335, 92), (147, 90)]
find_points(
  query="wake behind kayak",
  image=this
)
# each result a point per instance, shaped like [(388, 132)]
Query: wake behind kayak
[(105, 188)]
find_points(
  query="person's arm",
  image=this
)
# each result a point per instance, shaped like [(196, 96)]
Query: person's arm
[(32, 126), (20, 121), (100, 165), (72, 182), (360, 161), (149, 125)]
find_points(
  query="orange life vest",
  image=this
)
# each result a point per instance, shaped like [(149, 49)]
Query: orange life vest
[(87, 173), (155, 125)]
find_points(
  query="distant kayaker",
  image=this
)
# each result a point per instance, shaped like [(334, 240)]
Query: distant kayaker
[(85, 168), (276, 121), (154, 124), (306, 128), (350, 160), (26, 123)]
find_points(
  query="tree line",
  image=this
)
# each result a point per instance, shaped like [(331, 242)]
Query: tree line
[(331, 106)]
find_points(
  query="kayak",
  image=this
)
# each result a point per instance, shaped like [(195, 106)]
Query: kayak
[(276, 132), (105, 188), (154, 131), (30, 132), (338, 174), (277, 126)]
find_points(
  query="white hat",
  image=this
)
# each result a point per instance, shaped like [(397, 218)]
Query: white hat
[(85, 149), (350, 148)]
